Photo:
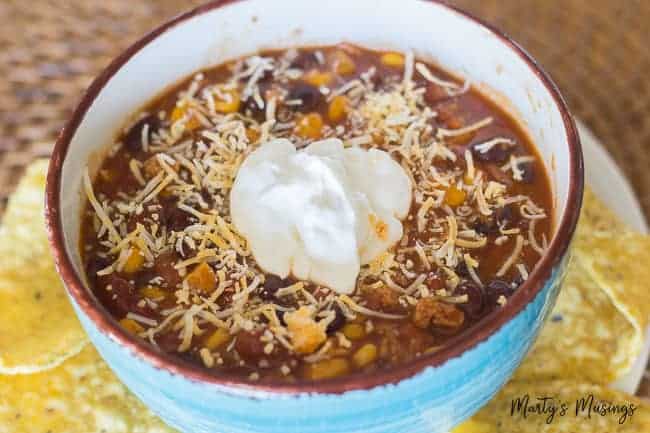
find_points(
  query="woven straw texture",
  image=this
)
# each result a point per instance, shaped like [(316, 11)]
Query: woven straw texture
[(597, 51)]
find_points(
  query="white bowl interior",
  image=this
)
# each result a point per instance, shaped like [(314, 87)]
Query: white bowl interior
[(431, 31)]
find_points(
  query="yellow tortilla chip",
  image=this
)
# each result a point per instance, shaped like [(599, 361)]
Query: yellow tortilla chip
[(595, 332), (620, 266), (38, 328), (586, 337), (597, 219), (81, 395), (559, 407), (39, 331), (617, 260)]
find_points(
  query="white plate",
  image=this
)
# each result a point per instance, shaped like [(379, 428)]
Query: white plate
[(608, 182)]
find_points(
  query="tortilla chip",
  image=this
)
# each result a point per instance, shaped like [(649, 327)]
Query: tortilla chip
[(38, 328), (597, 219), (611, 411), (620, 267), (586, 337), (617, 260), (595, 332), (81, 395)]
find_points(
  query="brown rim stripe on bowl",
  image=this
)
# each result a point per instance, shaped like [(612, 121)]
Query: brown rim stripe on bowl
[(455, 347)]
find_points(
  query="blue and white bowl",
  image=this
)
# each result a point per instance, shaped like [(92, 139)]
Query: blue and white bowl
[(430, 394)]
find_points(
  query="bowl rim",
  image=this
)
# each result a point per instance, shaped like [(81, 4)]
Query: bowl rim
[(455, 347)]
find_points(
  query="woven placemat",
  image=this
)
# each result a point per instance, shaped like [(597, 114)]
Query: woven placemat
[(51, 50), (598, 52)]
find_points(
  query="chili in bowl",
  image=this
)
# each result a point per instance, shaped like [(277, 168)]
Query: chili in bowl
[(338, 228)]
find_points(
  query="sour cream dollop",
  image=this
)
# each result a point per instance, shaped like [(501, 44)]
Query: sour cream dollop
[(321, 212)]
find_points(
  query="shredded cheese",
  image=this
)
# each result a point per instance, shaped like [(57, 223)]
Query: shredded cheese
[(99, 209), (519, 243), (197, 171), (443, 133)]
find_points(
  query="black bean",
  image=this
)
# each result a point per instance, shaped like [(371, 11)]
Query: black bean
[(497, 153), (485, 226), (280, 314), (265, 81), (250, 108), (172, 217), (284, 114), (272, 283), (135, 219), (527, 172), (338, 322), (308, 94), (461, 270), (378, 81), (207, 197), (475, 298), (305, 60), (94, 265), (504, 215), (120, 299), (133, 138), (177, 219), (497, 288), (518, 281)]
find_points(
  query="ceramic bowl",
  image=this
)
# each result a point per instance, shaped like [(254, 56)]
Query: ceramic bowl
[(430, 394)]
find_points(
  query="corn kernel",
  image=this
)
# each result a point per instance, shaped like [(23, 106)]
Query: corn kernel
[(134, 262), (218, 338), (338, 108), (468, 180), (229, 103), (202, 278), (252, 135), (317, 78), (454, 196), (455, 122), (395, 60), (179, 112), (166, 193), (192, 123), (153, 292), (343, 64), (310, 126), (354, 331), (328, 369), (365, 355), (131, 326)]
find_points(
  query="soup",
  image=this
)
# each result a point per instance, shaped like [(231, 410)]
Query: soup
[(312, 213)]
